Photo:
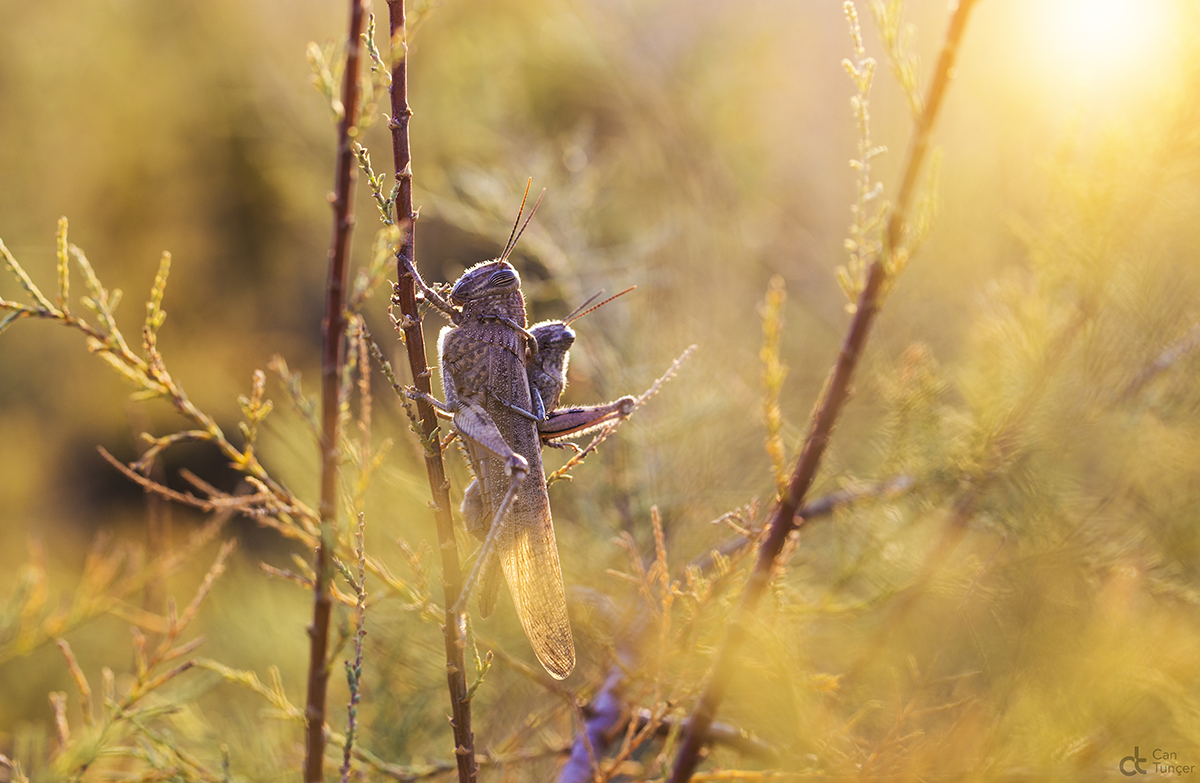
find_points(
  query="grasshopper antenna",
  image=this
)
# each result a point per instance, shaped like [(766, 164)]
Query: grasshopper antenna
[(576, 315), (515, 236), (508, 246)]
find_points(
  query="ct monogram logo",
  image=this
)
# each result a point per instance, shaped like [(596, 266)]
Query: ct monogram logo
[(1137, 764)]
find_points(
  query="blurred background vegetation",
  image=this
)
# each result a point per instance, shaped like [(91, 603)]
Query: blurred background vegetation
[(1034, 369)]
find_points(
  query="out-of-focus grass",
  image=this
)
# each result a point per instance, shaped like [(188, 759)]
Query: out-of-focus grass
[(695, 149)]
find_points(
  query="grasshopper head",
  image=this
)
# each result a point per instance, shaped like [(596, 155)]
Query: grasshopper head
[(485, 280), (554, 337)]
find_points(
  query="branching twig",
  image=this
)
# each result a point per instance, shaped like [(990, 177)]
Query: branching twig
[(218, 502), (834, 396), (100, 590), (414, 343), (332, 357), (608, 429), (147, 373), (124, 728), (822, 507), (725, 734), (354, 671)]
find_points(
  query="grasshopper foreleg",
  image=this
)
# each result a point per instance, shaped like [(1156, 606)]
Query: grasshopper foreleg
[(434, 298), (530, 337), (472, 421), (439, 407), (538, 414)]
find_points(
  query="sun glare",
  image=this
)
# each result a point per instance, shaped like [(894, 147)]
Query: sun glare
[(1103, 39)]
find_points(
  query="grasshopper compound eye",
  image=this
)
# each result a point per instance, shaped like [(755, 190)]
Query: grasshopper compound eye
[(563, 337), (502, 278)]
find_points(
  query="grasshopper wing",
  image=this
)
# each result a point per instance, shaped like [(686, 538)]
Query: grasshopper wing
[(529, 557), (489, 373)]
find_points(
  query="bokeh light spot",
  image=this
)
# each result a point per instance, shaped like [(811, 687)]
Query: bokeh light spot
[(1106, 38)]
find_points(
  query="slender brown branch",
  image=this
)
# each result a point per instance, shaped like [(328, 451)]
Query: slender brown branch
[(438, 768), (158, 518), (332, 357), (605, 712), (219, 501), (833, 398), (822, 507), (538, 676), (725, 734), (414, 342)]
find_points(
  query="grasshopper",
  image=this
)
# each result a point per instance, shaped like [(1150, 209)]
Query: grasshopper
[(486, 358), (547, 373), (548, 378)]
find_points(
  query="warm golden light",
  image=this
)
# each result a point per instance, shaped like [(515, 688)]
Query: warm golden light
[(1106, 39)]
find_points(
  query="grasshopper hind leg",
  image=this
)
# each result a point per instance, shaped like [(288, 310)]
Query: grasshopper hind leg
[(477, 521), (489, 587)]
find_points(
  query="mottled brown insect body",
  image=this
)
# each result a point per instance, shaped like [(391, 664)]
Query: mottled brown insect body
[(483, 371), (548, 370), (489, 359)]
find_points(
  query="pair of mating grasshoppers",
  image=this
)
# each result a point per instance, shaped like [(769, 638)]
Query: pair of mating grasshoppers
[(502, 383)]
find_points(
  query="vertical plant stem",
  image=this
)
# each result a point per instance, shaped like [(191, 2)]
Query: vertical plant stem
[(333, 329), (414, 342), (833, 397)]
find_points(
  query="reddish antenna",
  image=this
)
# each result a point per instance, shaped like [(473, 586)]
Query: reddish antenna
[(516, 235), (576, 315)]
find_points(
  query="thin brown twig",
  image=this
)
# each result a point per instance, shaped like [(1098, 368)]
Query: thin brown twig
[(81, 683), (822, 507), (18, 775), (726, 734), (332, 358), (58, 700), (411, 774), (354, 671), (666, 376), (414, 343), (608, 712), (146, 662), (833, 398), (538, 676), (219, 502), (158, 510), (99, 593), (580, 455), (149, 374)]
